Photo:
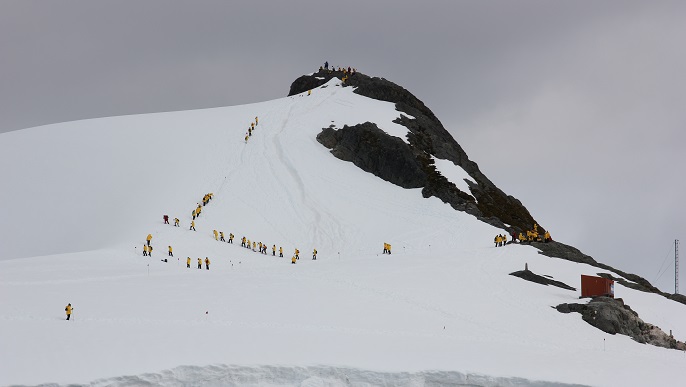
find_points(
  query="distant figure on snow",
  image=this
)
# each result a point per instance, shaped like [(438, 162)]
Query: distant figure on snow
[(188, 262), (207, 263), (68, 309), (170, 252), (199, 263), (166, 219)]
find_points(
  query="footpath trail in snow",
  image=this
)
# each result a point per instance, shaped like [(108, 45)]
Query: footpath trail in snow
[(441, 308)]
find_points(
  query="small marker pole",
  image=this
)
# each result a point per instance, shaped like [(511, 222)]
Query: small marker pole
[(603, 344)]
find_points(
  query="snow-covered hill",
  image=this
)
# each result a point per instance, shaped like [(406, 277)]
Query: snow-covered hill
[(79, 198)]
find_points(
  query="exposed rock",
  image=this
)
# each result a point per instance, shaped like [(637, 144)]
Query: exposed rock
[(533, 277), (613, 316), (427, 138), (374, 151), (411, 166)]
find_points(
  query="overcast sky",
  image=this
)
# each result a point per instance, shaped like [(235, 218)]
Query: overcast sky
[(577, 108)]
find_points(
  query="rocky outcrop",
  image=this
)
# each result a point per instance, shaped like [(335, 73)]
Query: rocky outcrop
[(427, 138), (614, 317), (539, 279), (374, 151), (411, 165)]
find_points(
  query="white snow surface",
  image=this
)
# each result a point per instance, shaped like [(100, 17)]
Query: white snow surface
[(454, 173), (79, 198)]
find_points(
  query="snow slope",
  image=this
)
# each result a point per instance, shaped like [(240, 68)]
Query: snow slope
[(79, 198)]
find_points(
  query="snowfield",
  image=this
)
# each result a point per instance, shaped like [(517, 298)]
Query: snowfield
[(79, 198)]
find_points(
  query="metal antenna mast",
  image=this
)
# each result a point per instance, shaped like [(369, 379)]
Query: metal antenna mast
[(676, 266)]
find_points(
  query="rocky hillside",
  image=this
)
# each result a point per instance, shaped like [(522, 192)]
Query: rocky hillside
[(411, 166)]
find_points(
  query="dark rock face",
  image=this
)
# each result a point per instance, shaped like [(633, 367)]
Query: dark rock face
[(427, 138), (374, 151), (613, 316), (531, 276)]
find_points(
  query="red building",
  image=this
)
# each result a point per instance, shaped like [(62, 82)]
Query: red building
[(597, 286)]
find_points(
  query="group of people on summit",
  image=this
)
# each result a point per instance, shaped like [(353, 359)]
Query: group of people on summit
[(531, 236)]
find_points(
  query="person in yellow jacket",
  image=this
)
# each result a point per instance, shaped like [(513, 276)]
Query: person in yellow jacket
[(145, 250), (504, 238), (293, 260), (68, 309), (497, 240), (199, 263), (216, 235), (176, 222), (385, 248), (280, 252), (546, 237), (309, 92), (188, 262), (170, 252), (149, 238), (207, 263), (522, 237), (297, 254), (256, 121), (274, 251), (231, 238), (252, 125), (389, 248), (243, 242), (192, 225), (535, 227), (254, 246), (314, 254), (221, 236)]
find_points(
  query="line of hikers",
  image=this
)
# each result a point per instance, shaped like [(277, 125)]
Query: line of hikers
[(207, 263), (531, 236), (219, 236), (251, 128)]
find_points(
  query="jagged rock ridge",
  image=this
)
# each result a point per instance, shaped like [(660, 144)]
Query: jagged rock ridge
[(363, 143)]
